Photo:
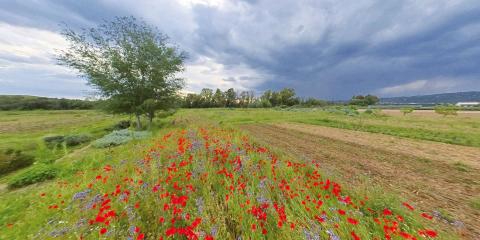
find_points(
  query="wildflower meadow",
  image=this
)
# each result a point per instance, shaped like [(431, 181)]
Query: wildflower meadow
[(214, 183)]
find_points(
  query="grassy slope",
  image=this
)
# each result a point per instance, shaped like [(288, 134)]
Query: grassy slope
[(24, 130)]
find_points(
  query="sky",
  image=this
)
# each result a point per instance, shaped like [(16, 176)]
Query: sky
[(329, 49)]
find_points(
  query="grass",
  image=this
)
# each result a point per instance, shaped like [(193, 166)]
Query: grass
[(462, 167), (475, 203), (453, 130), (25, 130), (48, 209)]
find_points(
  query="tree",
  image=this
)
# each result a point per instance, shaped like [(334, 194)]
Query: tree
[(361, 100), (192, 100), (219, 98), (371, 99), (275, 99), (130, 63), (266, 96), (206, 96), (230, 98), (313, 102), (245, 98)]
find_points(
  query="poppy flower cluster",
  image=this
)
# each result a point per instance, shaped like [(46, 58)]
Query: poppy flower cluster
[(218, 184)]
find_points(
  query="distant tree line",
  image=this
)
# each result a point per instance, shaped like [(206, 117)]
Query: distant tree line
[(209, 98), (33, 103)]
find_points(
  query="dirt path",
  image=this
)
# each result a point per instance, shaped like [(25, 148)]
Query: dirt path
[(431, 185), (453, 154)]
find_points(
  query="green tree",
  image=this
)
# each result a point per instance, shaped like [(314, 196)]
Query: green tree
[(266, 96), (313, 102), (206, 96), (192, 100), (130, 63), (219, 98), (287, 97), (275, 99), (371, 99), (230, 98), (361, 100), (245, 98)]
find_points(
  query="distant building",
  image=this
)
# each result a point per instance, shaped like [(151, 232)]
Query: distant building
[(467, 104)]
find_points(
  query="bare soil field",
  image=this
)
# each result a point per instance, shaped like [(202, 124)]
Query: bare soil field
[(434, 183), (436, 151)]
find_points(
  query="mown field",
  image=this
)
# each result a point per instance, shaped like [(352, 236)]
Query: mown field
[(249, 174)]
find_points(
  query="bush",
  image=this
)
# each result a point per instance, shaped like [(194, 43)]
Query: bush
[(124, 124), (74, 140), (164, 114), (37, 173), (12, 160), (446, 110), (120, 137), (406, 110), (346, 110), (53, 141), (69, 140), (374, 111)]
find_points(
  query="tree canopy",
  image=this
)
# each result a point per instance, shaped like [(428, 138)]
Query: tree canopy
[(361, 100), (130, 63)]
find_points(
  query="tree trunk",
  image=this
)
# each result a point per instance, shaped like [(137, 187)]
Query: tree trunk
[(150, 120), (139, 123)]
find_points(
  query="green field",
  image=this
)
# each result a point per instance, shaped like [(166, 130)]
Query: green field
[(454, 130), (48, 209)]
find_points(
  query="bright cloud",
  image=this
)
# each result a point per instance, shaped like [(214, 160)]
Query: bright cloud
[(207, 73)]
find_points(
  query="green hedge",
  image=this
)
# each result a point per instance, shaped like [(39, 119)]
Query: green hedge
[(35, 174)]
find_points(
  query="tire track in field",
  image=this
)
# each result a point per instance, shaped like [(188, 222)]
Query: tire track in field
[(431, 185)]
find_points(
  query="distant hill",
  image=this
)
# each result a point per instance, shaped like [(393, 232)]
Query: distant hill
[(434, 98), (25, 102)]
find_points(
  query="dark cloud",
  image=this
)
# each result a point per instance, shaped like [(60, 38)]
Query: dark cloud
[(321, 48), (340, 63)]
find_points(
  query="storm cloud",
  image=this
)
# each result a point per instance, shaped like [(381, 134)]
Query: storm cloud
[(326, 49)]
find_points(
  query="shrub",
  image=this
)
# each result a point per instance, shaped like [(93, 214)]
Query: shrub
[(116, 138), (69, 140), (446, 110), (35, 174), (374, 111), (124, 124), (74, 140), (164, 114), (12, 160), (348, 110), (406, 110), (53, 141)]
